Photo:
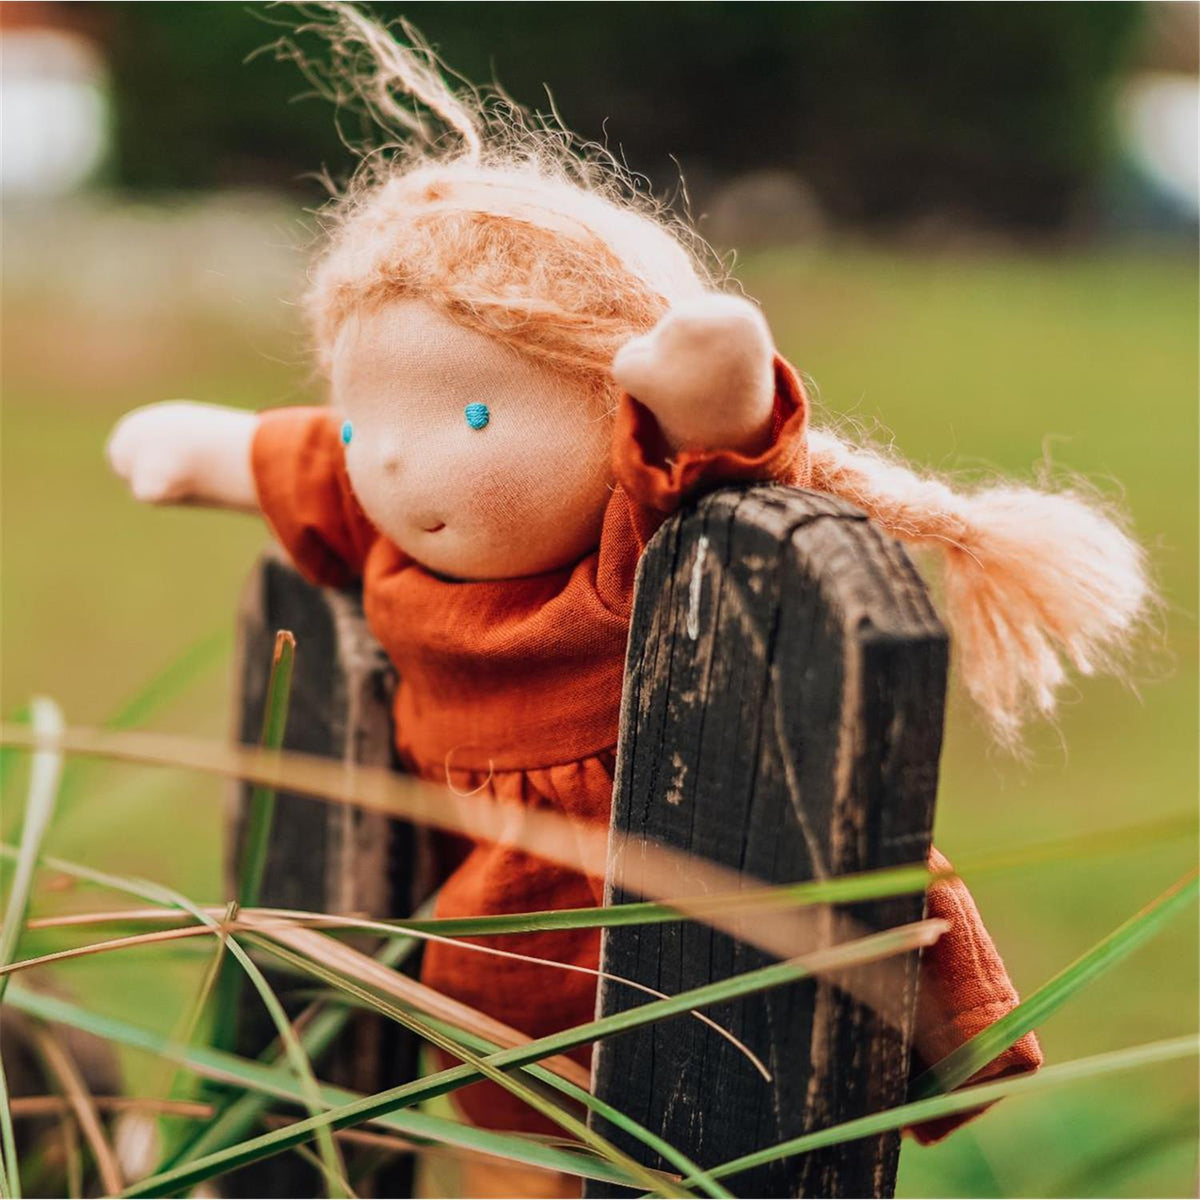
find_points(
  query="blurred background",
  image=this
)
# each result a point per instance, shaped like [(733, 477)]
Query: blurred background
[(974, 226)]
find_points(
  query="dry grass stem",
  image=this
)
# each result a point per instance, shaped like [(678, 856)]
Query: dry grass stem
[(348, 961), (49, 1106), (642, 867), (60, 1064)]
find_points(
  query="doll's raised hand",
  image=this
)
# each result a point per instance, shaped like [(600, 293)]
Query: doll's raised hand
[(706, 373), (180, 452)]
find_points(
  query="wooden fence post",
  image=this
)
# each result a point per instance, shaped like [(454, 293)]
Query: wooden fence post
[(782, 715), (324, 857)]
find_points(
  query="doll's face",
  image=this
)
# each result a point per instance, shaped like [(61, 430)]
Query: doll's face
[(474, 461)]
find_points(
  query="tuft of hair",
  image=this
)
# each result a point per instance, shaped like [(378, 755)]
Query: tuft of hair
[(499, 218), (1033, 580)]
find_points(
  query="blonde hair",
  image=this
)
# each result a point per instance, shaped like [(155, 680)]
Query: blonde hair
[(510, 227), (517, 231)]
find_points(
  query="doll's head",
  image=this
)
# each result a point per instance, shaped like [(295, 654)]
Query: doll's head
[(489, 270), (477, 281), (467, 314)]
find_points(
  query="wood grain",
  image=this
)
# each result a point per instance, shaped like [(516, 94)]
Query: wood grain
[(782, 714)]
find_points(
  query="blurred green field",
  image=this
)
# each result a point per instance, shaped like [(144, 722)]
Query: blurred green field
[(987, 361)]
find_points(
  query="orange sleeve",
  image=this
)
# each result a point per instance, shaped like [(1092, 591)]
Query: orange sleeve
[(652, 482), (964, 988), (304, 493)]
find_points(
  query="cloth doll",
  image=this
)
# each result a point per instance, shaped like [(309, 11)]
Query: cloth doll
[(529, 369)]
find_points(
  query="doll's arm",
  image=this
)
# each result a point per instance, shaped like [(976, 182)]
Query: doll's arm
[(706, 373), (179, 452)]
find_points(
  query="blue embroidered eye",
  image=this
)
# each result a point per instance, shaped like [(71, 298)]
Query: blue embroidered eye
[(347, 432), (477, 415)]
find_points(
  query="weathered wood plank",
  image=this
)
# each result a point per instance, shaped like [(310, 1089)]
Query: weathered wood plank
[(324, 857), (782, 714)]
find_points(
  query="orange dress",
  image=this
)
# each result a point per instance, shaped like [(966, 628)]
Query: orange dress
[(513, 687)]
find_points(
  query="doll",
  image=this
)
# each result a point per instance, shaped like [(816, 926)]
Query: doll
[(529, 370)]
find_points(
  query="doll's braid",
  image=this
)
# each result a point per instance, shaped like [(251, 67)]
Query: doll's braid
[(1031, 579)]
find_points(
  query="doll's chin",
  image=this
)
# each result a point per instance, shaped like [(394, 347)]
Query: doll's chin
[(458, 553), (450, 562)]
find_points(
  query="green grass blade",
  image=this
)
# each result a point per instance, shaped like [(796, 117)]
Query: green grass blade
[(836, 958), (260, 815), (380, 790), (277, 1084), (262, 799), (170, 1133), (39, 809), (227, 1006), (965, 1100), (44, 779), (869, 885), (9, 1186), (845, 889), (959, 1065), (669, 1153), (481, 1045), (237, 1119), (334, 1167), (848, 889), (459, 1049), (159, 894), (341, 1182)]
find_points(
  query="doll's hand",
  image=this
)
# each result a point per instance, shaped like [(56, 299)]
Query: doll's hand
[(706, 372), (179, 452)]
